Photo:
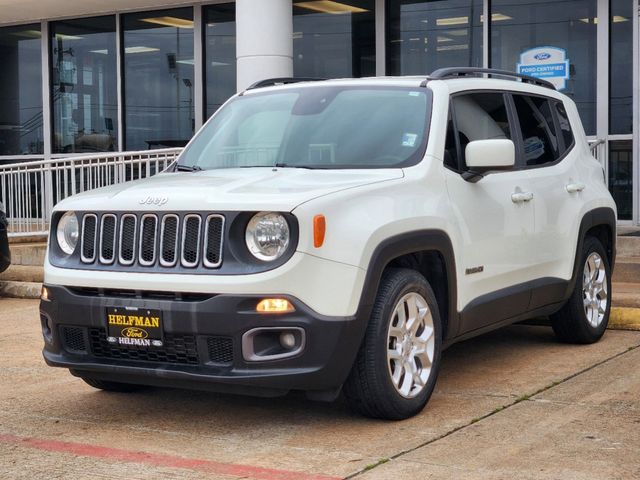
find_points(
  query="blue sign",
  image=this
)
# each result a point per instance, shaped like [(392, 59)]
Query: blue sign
[(548, 63)]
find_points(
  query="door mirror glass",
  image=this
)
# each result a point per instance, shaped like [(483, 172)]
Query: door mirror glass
[(492, 154)]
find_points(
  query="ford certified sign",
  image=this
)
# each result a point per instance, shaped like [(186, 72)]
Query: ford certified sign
[(547, 62)]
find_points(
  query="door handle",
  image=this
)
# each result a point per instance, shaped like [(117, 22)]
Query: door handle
[(520, 197), (575, 187)]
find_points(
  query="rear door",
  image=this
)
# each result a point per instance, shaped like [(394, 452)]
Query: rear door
[(551, 163), (494, 216)]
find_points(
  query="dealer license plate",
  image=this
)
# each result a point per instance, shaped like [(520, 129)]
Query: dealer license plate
[(134, 327)]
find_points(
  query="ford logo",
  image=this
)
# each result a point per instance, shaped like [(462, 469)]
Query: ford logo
[(542, 56), (133, 332)]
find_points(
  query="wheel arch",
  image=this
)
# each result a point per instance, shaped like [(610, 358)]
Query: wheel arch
[(429, 252), (601, 224)]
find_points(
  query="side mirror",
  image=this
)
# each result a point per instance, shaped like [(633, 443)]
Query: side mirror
[(484, 155)]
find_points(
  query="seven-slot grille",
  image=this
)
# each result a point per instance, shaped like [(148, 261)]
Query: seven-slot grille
[(149, 239)]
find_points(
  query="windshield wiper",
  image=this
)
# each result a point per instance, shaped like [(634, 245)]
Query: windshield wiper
[(287, 165), (187, 168)]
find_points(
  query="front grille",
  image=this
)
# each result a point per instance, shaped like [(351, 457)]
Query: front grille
[(89, 234), (220, 349), (73, 339), (178, 349), (147, 240)]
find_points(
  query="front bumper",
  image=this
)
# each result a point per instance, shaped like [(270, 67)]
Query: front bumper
[(203, 342)]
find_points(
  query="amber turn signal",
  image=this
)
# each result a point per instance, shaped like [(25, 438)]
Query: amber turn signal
[(275, 305), (319, 229), (44, 293)]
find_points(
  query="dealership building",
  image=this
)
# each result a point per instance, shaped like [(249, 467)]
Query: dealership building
[(85, 76)]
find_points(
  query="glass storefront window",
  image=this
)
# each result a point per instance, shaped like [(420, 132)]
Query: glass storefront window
[(84, 92), (158, 78), (621, 67), (219, 54), (21, 91), (334, 39), (621, 176), (424, 35), (570, 25)]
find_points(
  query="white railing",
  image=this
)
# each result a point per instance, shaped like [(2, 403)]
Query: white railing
[(599, 150), (29, 190)]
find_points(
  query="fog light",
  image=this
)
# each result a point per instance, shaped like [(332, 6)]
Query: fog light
[(274, 305), (44, 293), (287, 340)]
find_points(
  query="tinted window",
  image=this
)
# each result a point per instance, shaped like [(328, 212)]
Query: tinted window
[(564, 125), (316, 128), (450, 147), (540, 144), (480, 116)]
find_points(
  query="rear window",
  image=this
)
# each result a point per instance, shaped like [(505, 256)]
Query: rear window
[(319, 127)]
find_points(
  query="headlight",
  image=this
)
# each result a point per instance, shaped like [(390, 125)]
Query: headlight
[(267, 236), (67, 233)]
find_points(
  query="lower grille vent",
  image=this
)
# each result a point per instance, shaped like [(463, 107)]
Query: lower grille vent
[(220, 349), (178, 349), (73, 339)]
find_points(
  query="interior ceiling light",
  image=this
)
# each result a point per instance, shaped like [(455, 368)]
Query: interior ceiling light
[(27, 34), (442, 22), (170, 22), (590, 20), (497, 17), (445, 48), (101, 52), (189, 61), (444, 39), (618, 19), (140, 49), (329, 6), (62, 36)]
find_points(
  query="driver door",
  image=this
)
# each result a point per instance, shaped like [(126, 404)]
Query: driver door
[(494, 217)]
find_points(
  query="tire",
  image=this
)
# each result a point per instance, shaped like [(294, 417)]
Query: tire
[(370, 388), (572, 324), (111, 386)]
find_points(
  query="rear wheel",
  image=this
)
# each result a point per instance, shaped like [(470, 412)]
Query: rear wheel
[(585, 316), (398, 362)]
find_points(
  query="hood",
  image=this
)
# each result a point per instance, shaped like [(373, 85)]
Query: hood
[(234, 189)]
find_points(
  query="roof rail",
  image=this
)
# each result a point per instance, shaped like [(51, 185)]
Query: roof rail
[(453, 72), (270, 82)]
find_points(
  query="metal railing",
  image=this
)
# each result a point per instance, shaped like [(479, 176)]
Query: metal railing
[(29, 190), (599, 150)]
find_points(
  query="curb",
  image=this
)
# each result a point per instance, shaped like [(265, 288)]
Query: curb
[(624, 318), (20, 289)]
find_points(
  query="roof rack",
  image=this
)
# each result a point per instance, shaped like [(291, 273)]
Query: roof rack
[(454, 72), (270, 82)]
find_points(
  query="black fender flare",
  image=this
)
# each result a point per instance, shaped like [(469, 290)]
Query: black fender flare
[(403, 244), (600, 216)]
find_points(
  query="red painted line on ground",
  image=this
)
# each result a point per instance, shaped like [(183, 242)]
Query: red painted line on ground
[(157, 460)]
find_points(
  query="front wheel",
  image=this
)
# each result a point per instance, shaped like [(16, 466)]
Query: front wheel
[(585, 316), (398, 362)]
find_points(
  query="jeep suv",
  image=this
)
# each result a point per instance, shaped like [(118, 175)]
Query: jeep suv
[(337, 235)]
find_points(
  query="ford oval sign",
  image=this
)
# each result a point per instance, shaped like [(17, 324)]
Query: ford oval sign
[(542, 56)]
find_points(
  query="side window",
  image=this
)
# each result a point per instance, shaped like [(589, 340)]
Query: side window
[(565, 126), (480, 116), (540, 142), (450, 147)]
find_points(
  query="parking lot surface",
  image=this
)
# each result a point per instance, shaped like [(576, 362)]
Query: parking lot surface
[(511, 404)]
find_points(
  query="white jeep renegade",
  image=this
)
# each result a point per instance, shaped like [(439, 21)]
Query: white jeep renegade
[(337, 235)]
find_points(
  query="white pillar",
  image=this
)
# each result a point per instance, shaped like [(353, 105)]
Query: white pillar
[(264, 45)]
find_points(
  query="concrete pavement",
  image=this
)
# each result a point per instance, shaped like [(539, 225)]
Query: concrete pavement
[(511, 404)]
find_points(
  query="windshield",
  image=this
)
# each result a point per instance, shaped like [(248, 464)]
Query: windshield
[(319, 127)]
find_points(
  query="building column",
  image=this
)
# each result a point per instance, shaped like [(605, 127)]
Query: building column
[(264, 45)]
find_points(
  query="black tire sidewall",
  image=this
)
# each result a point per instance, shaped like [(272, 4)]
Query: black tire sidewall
[(591, 245), (404, 281)]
